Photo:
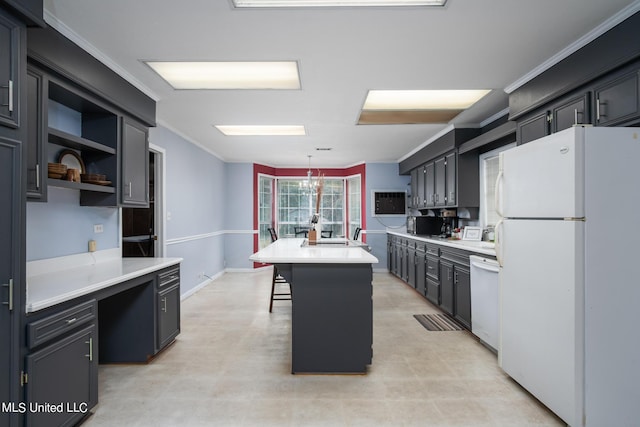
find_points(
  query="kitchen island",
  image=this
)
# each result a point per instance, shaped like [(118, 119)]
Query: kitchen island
[(332, 312)]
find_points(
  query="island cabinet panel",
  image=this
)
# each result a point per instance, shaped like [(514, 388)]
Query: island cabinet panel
[(332, 325)]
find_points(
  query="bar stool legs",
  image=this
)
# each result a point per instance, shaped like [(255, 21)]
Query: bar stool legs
[(278, 296)]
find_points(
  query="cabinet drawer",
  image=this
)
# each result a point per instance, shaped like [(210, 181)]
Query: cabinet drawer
[(169, 277), (433, 269), (433, 251), (48, 328), (459, 257)]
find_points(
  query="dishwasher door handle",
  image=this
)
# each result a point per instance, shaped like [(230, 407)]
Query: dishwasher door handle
[(488, 266)]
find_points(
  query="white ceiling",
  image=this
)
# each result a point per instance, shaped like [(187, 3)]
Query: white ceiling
[(342, 53)]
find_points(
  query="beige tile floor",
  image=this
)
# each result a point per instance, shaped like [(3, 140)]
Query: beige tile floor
[(230, 366)]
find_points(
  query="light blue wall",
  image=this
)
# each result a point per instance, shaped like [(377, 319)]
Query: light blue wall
[(239, 215), (195, 203), (382, 176)]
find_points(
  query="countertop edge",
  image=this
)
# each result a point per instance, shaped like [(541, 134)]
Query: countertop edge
[(451, 243), (33, 306)]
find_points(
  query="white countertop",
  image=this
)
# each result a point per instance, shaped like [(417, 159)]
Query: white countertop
[(486, 248), (290, 250), (46, 289)]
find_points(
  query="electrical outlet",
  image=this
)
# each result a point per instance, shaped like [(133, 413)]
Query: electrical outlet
[(98, 228)]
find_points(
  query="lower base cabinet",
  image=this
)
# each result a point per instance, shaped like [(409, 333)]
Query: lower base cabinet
[(167, 306), (65, 343), (462, 295), (61, 380), (440, 273), (446, 287)]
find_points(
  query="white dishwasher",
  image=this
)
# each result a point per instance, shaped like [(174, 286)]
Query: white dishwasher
[(485, 309)]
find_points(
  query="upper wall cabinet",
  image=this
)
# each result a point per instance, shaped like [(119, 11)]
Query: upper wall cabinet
[(135, 164), (447, 181), (562, 114), (617, 98), (10, 40)]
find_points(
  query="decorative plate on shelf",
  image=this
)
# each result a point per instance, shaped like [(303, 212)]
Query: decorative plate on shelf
[(71, 159)]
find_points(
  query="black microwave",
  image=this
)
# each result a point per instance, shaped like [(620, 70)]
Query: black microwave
[(424, 225)]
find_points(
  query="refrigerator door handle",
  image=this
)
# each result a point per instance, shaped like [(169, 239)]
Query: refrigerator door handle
[(497, 239), (497, 199)]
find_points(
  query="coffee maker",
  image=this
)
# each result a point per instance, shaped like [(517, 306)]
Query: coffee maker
[(449, 222)]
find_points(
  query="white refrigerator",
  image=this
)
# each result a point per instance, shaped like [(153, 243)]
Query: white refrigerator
[(569, 248)]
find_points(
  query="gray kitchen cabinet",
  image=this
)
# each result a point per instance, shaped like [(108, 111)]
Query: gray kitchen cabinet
[(167, 306), (433, 274), (390, 252), (37, 87), (421, 188), (446, 286), (10, 75), (565, 112), (61, 367), (421, 268), (451, 174), (456, 284), (414, 202), (65, 374), (11, 287), (570, 112), (430, 184), (462, 295), (445, 177), (440, 179), (532, 127), (411, 263), (617, 99), (442, 276), (135, 165)]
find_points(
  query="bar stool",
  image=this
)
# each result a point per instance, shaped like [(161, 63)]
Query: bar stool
[(277, 279), (356, 234)]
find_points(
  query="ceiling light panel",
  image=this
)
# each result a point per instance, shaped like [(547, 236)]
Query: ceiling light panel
[(422, 99), (229, 75), (336, 3), (259, 130)]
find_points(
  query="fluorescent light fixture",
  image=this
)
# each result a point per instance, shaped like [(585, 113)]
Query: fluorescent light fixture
[(266, 130), (229, 75), (422, 99), (335, 3)]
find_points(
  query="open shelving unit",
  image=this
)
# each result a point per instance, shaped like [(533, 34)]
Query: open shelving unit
[(97, 145)]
